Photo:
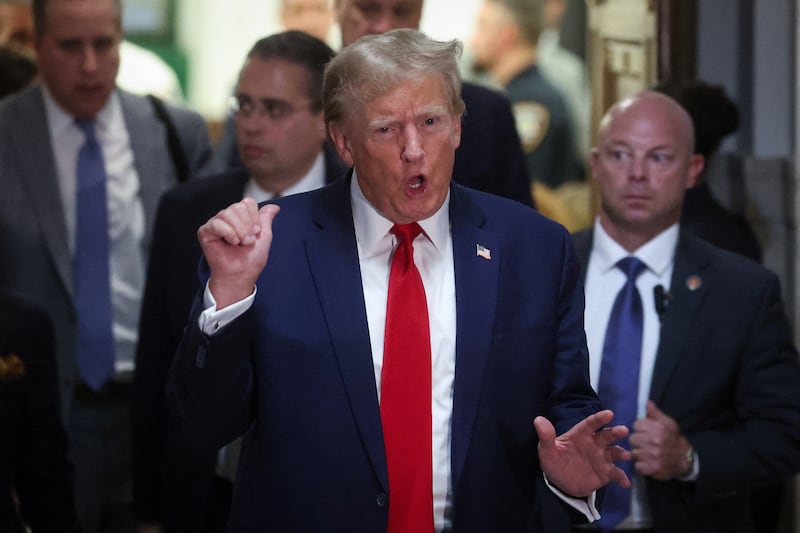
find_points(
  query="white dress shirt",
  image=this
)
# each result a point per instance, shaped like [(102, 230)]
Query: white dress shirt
[(126, 224), (603, 282)]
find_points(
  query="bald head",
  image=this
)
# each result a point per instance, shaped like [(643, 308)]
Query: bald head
[(643, 164), (657, 108)]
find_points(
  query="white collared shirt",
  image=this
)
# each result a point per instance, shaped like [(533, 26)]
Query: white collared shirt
[(603, 282), (126, 224)]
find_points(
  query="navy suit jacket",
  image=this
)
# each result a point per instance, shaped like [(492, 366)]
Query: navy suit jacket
[(295, 372), (727, 371), (170, 484)]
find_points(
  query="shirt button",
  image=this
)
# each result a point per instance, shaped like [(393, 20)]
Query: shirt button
[(381, 499)]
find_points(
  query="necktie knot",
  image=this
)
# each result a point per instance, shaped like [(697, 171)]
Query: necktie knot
[(86, 125), (631, 267), (406, 233)]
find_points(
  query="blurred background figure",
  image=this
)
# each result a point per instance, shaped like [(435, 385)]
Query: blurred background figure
[(17, 70), (35, 477), (714, 116), (16, 25), (314, 17), (567, 71), (140, 71)]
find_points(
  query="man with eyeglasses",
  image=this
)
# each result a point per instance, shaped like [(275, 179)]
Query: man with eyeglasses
[(280, 136)]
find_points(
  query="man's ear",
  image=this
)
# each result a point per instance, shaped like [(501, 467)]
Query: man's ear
[(696, 165), (340, 142)]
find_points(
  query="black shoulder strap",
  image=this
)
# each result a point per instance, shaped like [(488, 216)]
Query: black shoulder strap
[(173, 141)]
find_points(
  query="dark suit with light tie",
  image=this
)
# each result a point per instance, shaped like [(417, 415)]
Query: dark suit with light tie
[(172, 485), (295, 372), (727, 371)]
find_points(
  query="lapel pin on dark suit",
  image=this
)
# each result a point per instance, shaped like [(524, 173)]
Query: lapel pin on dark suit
[(11, 368), (482, 251), (694, 282)]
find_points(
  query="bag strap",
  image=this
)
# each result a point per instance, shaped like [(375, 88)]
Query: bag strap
[(173, 140)]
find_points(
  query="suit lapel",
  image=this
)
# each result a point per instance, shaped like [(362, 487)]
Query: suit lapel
[(44, 190), (332, 254), (686, 296), (476, 293)]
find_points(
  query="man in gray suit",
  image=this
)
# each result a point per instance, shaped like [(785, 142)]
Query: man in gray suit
[(45, 135)]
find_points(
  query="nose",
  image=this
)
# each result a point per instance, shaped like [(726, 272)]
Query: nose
[(638, 168), (89, 59), (412, 145), (383, 23)]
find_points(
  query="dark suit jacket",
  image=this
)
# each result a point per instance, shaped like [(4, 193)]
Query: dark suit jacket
[(296, 371), (34, 253), (490, 157), (171, 483), (727, 371), (33, 443)]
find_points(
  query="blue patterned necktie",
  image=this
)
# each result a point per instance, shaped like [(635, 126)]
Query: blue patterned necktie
[(95, 343), (618, 386)]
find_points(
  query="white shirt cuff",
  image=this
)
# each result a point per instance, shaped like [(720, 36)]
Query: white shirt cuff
[(586, 506), (212, 320)]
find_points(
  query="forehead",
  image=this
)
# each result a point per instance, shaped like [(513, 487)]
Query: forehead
[(367, 5), (69, 15), (270, 75), (409, 98), (646, 126)]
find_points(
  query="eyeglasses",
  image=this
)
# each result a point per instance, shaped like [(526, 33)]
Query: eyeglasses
[(277, 110)]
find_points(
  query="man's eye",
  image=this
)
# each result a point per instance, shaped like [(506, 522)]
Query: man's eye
[(70, 47), (276, 109), (430, 121)]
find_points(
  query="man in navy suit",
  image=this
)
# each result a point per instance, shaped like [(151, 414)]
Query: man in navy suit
[(281, 139), (289, 350), (717, 397)]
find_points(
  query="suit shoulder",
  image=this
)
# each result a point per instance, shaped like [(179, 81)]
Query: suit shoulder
[(739, 269), (218, 187), (479, 95), (508, 213)]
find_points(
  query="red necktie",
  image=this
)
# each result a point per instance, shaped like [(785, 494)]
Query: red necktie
[(406, 392)]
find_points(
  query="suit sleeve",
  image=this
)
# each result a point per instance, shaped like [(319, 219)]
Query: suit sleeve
[(760, 442), (210, 390), (43, 476)]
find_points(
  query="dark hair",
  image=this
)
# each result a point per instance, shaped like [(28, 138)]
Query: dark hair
[(17, 70), (713, 113), (40, 15), (300, 48)]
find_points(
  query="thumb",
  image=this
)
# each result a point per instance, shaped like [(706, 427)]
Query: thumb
[(654, 412), (545, 431), (267, 214)]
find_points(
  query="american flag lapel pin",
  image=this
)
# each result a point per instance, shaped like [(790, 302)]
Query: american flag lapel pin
[(483, 251)]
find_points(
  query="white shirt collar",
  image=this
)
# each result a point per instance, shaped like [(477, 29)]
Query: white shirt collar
[(372, 227), (60, 121), (657, 254)]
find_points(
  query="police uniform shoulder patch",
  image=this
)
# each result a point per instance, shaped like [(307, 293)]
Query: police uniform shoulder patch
[(532, 120)]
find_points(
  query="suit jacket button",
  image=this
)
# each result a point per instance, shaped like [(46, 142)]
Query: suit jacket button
[(381, 499)]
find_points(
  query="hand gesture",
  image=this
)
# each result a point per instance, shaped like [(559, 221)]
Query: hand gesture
[(658, 447), (236, 243), (582, 460)]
